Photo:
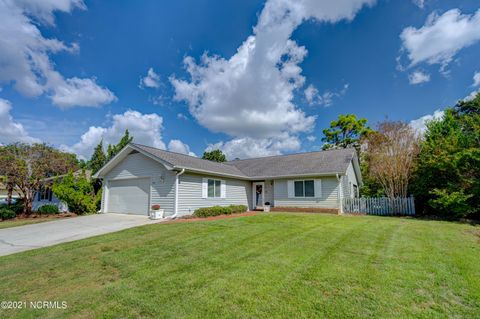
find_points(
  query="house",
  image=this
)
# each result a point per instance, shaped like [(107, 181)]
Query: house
[(45, 196), (140, 176), (4, 191)]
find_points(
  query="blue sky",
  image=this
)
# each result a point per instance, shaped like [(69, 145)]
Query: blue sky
[(270, 82)]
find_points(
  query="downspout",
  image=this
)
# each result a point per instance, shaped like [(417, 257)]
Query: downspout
[(340, 190), (175, 210)]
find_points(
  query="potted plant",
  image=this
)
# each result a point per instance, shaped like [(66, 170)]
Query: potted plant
[(266, 207), (156, 212)]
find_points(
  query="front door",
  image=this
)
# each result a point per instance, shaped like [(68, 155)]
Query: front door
[(258, 195)]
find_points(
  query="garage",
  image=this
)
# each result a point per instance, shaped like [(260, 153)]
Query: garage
[(129, 196)]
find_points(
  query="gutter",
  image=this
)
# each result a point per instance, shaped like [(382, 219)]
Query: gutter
[(176, 193), (340, 193)]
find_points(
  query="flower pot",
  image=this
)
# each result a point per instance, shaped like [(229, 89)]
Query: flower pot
[(156, 214)]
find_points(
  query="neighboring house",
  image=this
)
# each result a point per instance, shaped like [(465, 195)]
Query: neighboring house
[(140, 176), (45, 195), (4, 192)]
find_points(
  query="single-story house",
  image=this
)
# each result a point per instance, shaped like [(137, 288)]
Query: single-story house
[(140, 176), (45, 195)]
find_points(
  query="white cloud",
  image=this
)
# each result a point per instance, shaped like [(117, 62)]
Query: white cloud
[(441, 38), (419, 3), (418, 77), (182, 116), (249, 96), (85, 92), (178, 146), (25, 54), (476, 79), (471, 96), (419, 124), (311, 138), (145, 128), (313, 97), (151, 80), (11, 131), (247, 147)]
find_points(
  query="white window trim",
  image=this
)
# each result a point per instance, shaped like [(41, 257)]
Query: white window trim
[(222, 188)]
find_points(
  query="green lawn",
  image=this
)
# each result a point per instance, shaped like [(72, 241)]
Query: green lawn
[(264, 266), (21, 222)]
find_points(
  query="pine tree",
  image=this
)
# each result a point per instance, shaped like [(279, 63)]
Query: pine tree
[(115, 149), (98, 158)]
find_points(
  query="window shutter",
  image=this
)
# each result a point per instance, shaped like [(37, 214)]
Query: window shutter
[(204, 188), (223, 189), (290, 189), (318, 188)]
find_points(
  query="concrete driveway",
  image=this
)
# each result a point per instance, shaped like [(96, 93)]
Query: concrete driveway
[(21, 238)]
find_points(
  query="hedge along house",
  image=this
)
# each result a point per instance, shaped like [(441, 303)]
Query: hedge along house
[(140, 176)]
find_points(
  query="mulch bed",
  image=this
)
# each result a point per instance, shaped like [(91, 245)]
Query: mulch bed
[(187, 219), (44, 216)]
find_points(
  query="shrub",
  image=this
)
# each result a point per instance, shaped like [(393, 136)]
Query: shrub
[(78, 194), (48, 209), (6, 213), (17, 207), (219, 210), (238, 209)]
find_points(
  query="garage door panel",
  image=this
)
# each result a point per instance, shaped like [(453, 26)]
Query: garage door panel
[(129, 196)]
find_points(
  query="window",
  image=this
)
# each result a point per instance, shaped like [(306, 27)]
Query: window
[(355, 191), (304, 188), (214, 188), (45, 194)]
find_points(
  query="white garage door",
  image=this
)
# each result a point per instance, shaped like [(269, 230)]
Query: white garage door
[(129, 196)]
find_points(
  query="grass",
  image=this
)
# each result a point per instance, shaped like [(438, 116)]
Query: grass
[(265, 266), (24, 221)]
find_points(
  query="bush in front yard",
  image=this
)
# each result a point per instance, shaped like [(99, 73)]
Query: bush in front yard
[(219, 210), (17, 207), (48, 209), (78, 193), (238, 209), (6, 213)]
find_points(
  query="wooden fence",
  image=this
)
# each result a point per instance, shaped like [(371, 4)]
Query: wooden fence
[(379, 206)]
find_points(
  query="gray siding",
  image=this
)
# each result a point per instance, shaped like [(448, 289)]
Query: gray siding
[(269, 192), (329, 197), (348, 181), (36, 204), (238, 192), (162, 188)]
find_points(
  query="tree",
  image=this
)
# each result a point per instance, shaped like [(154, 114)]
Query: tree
[(391, 152), (346, 131), (215, 155), (98, 158), (115, 149), (27, 166), (447, 178), (78, 193)]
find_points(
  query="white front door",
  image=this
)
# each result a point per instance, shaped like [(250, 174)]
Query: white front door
[(258, 195)]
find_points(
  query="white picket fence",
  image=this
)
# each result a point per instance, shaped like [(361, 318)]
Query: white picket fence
[(383, 206)]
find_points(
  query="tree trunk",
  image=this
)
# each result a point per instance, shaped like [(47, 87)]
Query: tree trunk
[(9, 193)]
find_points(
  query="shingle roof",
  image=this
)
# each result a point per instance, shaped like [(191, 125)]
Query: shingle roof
[(186, 161), (323, 162)]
